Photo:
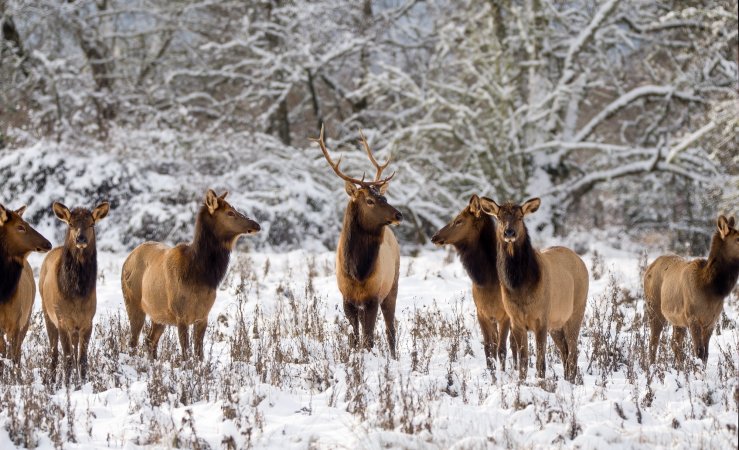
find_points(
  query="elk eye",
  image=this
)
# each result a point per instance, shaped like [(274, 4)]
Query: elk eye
[(21, 229), (370, 202), (231, 214), (458, 222)]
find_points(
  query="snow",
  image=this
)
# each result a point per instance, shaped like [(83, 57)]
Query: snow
[(454, 404)]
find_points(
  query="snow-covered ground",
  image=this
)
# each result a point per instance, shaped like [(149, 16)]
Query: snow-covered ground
[(277, 373)]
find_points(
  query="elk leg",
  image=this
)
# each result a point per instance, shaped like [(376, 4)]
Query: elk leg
[(558, 336), (352, 313), (183, 333), (137, 324), (678, 337), (136, 315), (66, 342), (706, 334), (388, 313), (152, 340), (53, 334), (697, 336), (656, 324), (571, 337), (369, 319), (504, 328), (487, 328), (198, 336), (541, 347), (521, 338), (84, 344)]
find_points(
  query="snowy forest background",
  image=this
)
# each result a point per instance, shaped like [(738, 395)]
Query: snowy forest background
[(621, 115)]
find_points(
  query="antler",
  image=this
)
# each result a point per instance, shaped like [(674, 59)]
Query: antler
[(379, 167), (342, 175)]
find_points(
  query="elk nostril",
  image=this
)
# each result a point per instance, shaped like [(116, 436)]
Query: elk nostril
[(398, 217), (509, 233)]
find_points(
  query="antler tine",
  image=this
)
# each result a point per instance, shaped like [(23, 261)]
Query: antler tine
[(335, 166), (379, 167)]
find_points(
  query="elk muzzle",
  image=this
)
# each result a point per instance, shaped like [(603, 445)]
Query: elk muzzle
[(509, 235), (397, 219), (81, 241), (437, 240)]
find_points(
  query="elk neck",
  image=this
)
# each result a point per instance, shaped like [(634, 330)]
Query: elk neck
[(207, 256), (78, 269), (360, 245), (479, 254), (518, 268), (719, 273), (11, 269)]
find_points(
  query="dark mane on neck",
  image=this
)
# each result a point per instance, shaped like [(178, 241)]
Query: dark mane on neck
[(10, 272), (521, 270), (207, 254), (77, 272), (720, 273), (360, 246), (479, 256)]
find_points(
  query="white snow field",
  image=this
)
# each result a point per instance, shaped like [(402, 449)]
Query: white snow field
[(278, 372)]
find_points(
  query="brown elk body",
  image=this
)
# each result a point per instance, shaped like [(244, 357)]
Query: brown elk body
[(17, 286), (472, 234), (690, 294), (543, 291), (67, 284), (177, 285), (367, 256)]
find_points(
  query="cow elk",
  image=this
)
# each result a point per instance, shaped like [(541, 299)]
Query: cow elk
[(17, 286), (472, 234), (68, 288), (367, 256), (690, 294), (543, 291), (177, 285)]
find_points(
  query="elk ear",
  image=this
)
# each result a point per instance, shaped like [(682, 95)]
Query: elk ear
[(530, 206), (61, 212), (383, 188), (211, 201), (223, 196), (351, 189), (3, 215), (474, 205), (489, 207), (21, 210), (731, 221), (100, 211), (723, 227)]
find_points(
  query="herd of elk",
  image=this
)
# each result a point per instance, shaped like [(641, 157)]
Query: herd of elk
[(367, 255), (67, 284), (177, 285), (515, 287), (472, 234), (17, 286), (690, 294)]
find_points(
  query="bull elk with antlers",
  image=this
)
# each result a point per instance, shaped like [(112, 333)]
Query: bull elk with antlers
[(368, 256)]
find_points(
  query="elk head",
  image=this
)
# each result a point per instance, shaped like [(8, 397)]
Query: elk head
[(730, 237), (226, 222), (510, 216), (464, 228), (17, 236), (373, 210), (81, 222)]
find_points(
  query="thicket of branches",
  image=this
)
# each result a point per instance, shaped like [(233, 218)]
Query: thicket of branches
[(617, 113)]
